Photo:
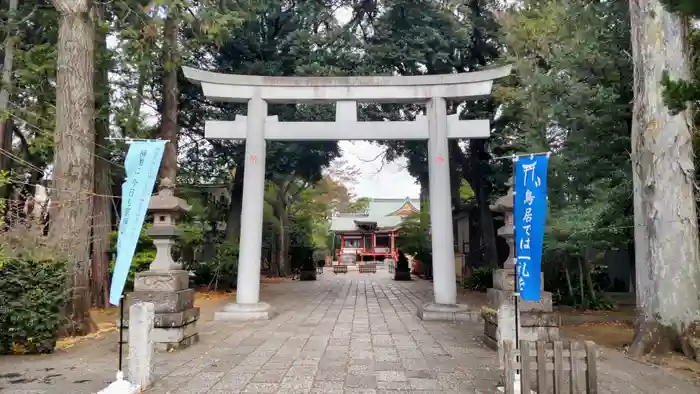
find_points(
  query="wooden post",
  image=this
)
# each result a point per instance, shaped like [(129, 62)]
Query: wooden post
[(509, 370), (591, 368), (342, 243), (575, 367), (558, 348), (542, 386), (393, 241), (525, 360), (374, 240), (576, 359)]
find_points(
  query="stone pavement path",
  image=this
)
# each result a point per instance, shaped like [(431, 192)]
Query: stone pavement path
[(354, 333)]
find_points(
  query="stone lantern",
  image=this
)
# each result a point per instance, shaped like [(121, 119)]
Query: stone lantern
[(166, 208), (537, 322), (165, 284)]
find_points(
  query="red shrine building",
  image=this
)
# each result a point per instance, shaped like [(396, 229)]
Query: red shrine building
[(372, 235)]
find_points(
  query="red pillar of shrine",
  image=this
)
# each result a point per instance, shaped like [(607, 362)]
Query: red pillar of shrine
[(374, 240)]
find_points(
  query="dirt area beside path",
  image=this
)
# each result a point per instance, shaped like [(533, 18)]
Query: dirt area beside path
[(106, 318), (208, 302), (619, 336)]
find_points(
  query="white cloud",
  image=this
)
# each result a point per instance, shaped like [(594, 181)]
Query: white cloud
[(377, 178)]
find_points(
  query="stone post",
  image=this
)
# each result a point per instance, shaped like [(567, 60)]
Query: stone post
[(537, 322), (165, 284), (141, 320), (506, 328)]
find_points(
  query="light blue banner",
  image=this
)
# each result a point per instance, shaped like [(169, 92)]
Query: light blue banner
[(142, 165), (529, 215)]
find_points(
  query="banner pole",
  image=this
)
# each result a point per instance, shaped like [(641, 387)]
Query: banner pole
[(121, 332), (515, 265), (516, 289)]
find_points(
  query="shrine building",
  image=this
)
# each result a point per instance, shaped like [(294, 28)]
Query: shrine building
[(372, 235)]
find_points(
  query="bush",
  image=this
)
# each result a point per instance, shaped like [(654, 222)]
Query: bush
[(480, 279), (141, 262), (222, 271), (33, 294), (302, 257), (143, 257)]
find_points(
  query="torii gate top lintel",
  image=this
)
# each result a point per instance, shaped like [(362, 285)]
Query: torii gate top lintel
[(394, 89)]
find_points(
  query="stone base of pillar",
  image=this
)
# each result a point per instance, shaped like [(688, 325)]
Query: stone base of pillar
[(534, 326), (440, 312), (175, 323), (536, 319), (166, 339), (496, 297), (402, 275), (307, 274), (245, 312)]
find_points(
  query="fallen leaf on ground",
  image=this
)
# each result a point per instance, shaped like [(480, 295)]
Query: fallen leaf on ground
[(68, 342)]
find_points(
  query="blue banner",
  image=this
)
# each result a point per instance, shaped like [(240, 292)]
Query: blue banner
[(529, 215), (142, 165)]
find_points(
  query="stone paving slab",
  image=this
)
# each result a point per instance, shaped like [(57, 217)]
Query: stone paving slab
[(350, 333)]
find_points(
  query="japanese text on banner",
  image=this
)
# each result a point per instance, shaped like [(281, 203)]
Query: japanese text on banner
[(530, 212), (142, 164)]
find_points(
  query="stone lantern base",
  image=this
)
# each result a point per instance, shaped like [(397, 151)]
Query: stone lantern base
[(536, 319), (175, 314)]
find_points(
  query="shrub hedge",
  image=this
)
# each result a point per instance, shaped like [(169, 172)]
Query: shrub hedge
[(33, 296)]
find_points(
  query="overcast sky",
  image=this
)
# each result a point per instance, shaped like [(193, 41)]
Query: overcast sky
[(377, 179)]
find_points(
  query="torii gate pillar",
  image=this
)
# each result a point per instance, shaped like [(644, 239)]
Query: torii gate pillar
[(257, 127)]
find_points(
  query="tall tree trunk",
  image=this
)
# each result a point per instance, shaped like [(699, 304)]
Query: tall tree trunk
[(74, 148), (233, 219), (168, 124), (6, 125), (488, 233), (424, 193), (102, 205), (581, 284), (666, 235), (589, 280), (569, 285), (132, 124), (282, 245)]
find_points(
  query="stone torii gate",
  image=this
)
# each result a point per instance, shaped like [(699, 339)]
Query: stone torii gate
[(257, 127)]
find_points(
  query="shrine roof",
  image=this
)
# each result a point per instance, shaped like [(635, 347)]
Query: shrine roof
[(386, 212)]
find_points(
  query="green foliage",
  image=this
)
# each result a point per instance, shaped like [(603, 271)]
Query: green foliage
[(33, 293), (222, 271), (572, 96), (576, 293), (466, 194), (480, 279), (143, 256), (689, 8), (302, 257), (359, 205), (680, 94), (141, 262), (414, 236)]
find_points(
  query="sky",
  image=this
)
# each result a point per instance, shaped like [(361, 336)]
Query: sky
[(377, 178)]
